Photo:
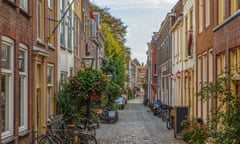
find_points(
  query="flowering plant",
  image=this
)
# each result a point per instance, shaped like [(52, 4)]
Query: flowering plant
[(85, 84)]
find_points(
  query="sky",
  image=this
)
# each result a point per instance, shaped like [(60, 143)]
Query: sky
[(143, 17)]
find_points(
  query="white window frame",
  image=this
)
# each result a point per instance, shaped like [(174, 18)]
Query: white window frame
[(207, 13), (51, 87), (50, 4), (62, 24), (10, 88), (200, 16), (204, 67), (23, 4), (24, 74)]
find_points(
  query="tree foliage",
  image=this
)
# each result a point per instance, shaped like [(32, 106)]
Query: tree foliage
[(114, 32), (116, 26)]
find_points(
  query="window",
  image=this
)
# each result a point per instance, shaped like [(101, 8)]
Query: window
[(23, 5), (50, 4), (210, 64), (200, 16), (63, 78), (199, 77), (221, 64), (204, 68), (220, 11), (69, 30), (5, 56), (235, 60), (62, 23), (7, 86), (51, 23), (210, 74), (186, 37), (234, 6), (23, 87), (77, 36), (40, 18), (50, 90), (207, 13)]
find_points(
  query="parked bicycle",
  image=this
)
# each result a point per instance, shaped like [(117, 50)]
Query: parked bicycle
[(67, 134), (170, 118), (49, 137), (163, 112)]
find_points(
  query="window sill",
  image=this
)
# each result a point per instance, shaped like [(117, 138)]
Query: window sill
[(70, 51), (40, 42), (25, 13), (8, 139), (77, 58), (62, 47), (51, 47), (24, 133)]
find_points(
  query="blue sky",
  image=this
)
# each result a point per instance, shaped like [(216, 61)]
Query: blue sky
[(143, 17)]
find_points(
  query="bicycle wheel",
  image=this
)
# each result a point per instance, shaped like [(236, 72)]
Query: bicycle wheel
[(46, 139), (87, 139)]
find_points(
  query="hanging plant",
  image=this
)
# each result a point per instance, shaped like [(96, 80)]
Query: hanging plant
[(90, 83)]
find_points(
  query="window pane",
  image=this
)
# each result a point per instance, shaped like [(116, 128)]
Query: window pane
[(21, 61), (24, 5), (49, 95), (5, 110), (21, 101), (5, 56), (49, 75), (49, 3)]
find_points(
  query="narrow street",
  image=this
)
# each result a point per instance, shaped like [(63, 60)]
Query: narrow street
[(136, 126)]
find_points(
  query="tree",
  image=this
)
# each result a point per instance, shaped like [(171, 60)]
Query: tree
[(116, 26)]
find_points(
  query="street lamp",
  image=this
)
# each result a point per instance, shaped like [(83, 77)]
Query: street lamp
[(88, 61), (88, 64)]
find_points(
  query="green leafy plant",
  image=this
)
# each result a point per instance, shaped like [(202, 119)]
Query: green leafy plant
[(195, 131), (224, 124), (73, 95)]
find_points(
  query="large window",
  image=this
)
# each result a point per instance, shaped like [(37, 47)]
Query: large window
[(50, 90), (62, 23), (51, 24), (207, 13), (7, 86), (40, 20), (221, 11), (200, 16), (221, 64), (234, 6), (77, 36), (23, 87), (69, 30)]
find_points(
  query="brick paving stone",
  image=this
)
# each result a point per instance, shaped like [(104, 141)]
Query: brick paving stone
[(136, 126)]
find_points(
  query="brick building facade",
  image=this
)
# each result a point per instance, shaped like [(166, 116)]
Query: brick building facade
[(16, 71)]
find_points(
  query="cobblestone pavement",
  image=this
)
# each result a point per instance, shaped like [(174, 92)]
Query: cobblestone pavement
[(136, 126)]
